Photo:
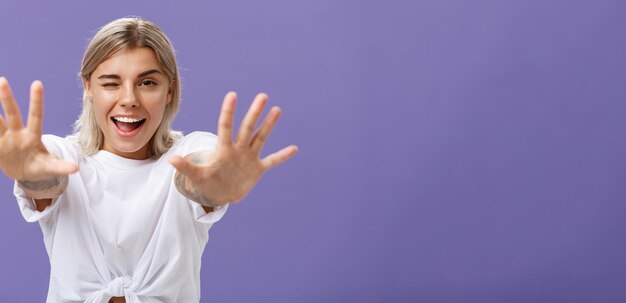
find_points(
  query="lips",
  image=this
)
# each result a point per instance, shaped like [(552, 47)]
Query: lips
[(127, 126)]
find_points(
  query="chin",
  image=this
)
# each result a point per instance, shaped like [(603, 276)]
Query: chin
[(130, 150)]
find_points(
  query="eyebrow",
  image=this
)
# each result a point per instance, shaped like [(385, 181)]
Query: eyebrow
[(143, 74)]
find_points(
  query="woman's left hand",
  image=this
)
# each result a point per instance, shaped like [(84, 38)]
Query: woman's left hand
[(229, 174)]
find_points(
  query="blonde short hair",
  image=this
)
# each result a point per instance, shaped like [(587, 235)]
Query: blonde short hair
[(117, 35)]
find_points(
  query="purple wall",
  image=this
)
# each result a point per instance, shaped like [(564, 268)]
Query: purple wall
[(451, 151)]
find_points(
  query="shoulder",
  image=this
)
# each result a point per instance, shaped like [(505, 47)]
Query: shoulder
[(199, 135), (53, 140), (195, 141), (65, 148)]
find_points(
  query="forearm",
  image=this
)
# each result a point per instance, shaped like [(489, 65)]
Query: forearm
[(187, 188), (47, 188)]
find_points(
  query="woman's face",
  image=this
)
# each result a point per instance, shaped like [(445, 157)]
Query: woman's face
[(129, 92)]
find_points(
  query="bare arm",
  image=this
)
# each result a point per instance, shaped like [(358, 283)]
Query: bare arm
[(186, 187), (23, 157), (229, 174), (43, 191)]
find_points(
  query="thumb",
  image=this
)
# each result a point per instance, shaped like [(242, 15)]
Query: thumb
[(183, 165), (61, 167)]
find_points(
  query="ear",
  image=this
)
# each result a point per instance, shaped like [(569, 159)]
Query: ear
[(87, 88), (169, 92)]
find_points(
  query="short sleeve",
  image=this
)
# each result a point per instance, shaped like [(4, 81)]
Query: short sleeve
[(62, 148), (208, 218), (198, 141), (195, 142)]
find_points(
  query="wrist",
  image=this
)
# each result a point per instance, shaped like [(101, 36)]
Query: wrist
[(51, 187)]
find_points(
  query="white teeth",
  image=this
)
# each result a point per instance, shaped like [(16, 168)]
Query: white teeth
[(127, 119)]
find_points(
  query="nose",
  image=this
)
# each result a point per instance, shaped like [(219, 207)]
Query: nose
[(128, 97)]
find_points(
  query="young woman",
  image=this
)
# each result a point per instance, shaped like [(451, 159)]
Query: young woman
[(125, 203)]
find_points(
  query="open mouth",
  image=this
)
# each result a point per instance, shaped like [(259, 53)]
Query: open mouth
[(126, 124)]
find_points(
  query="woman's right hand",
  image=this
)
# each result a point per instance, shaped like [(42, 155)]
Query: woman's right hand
[(23, 156)]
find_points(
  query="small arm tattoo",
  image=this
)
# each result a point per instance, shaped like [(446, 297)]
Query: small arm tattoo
[(186, 188), (47, 188), (39, 185)]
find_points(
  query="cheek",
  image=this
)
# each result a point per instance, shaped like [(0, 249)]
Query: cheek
[(155, 104), (101, 107), (157, 114), (99, 112)]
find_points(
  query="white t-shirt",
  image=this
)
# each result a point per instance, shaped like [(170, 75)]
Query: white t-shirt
[(121, 228)]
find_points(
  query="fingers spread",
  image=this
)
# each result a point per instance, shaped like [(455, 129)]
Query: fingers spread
[(279, 157), (250, 120), (225, 122), (266, 128), (35, 112), (11, 110)]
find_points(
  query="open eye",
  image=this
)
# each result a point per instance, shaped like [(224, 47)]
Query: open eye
[(148, 82)]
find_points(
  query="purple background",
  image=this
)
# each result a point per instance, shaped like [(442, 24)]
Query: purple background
[(450, 151)]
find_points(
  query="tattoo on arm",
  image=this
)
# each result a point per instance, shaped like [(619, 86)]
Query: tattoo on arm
[(43, 189), (45, 184), (186, 187)]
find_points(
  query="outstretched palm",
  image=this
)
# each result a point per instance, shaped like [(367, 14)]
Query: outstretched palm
[(230, 173), (22, 154)]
